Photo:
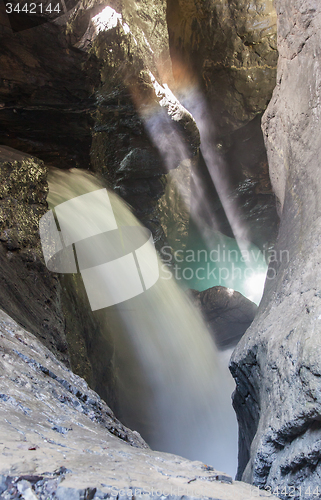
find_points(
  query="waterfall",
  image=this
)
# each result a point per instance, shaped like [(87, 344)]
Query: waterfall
[(174, 387)]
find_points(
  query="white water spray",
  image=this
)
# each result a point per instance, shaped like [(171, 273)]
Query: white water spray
[(173, 377)]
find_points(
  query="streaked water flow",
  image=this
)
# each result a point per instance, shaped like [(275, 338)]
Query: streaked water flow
[(174, 388)]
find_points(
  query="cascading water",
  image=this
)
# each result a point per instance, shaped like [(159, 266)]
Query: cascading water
[(173, 386)]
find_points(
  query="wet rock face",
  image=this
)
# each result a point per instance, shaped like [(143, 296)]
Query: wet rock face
[(93, 93), (71, 95), (59, 440), (90, 340), (29, 292), (174, 206), (277, 363), (248, 170), (227, 314), (23, 195), (79, 93), (229, 49)]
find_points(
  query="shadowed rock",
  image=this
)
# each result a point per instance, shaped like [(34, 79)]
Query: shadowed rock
[(28, 292)]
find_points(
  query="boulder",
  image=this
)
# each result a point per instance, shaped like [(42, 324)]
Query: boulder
[(226, 312)]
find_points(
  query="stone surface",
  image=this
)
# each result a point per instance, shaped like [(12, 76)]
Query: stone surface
[(91, 93), (90, 340), (94, 93), (224, 62), (59, 440), (174, 207), (244, 166), (227, 313), (276, 365), (92, 89)]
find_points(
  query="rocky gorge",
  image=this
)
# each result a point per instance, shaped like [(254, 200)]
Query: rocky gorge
[(162, 103)]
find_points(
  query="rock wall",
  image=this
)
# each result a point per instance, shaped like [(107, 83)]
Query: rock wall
[(139, 124), (79, 93), (46, 95), (53, 307), (246, 167), (277, 363), (92, 93)]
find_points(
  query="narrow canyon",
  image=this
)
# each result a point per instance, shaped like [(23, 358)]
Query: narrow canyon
[(160, 298)]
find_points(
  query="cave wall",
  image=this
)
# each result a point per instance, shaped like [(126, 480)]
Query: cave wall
[(53, 307), (246, 168), (137, 120), (277, 363), (77, 95), (46, 97)]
